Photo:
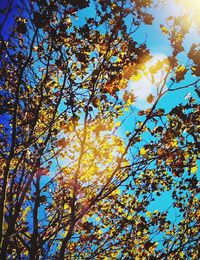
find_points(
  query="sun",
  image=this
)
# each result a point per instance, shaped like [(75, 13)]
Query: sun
[(192, 8), (191, 4)]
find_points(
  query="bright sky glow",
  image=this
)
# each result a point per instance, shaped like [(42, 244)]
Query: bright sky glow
[(193, 8), (145, 86), (193, 5)]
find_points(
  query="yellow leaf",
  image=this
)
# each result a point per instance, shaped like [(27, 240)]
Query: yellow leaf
[(117, 191), (98, 219), (143, 151), (40, 141), (66, 206), (99, 232), (174, 143), (120, 210), (26, 253), (136, 77), (194, 169), (187, 155), (164, 29), (180, 73), (148, 213)]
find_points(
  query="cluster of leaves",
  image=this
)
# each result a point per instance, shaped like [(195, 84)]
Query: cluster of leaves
[(71, 187)]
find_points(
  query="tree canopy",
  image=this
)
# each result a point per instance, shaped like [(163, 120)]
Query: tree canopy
[(85, 172)]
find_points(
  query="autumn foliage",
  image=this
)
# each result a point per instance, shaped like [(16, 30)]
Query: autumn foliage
[(74, 182)]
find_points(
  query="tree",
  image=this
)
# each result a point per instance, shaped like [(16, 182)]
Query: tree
[(71, 186)]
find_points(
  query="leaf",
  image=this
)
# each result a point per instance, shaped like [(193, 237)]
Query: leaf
[(158, 66), (150, 99), (21, 27), (97, 219), (42, 199), (39, 19), (62, 142), (43, 171), (164, 30), (194, 169), (148, 245), (194, 54), (81, 57), (196, 71), (174, 143), (125, 96), (128, 71), (129, 98), (128, 133), (143, 151), (99, 232), (148, 213), (158, 129), (136, 77), (180, 73), (148, 19), (66, 206)]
